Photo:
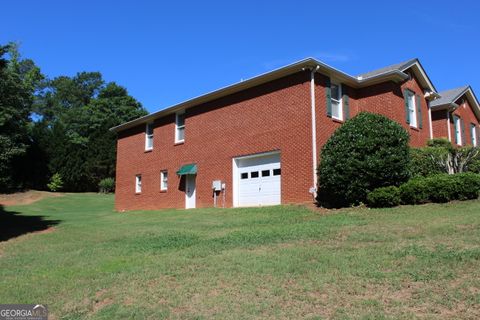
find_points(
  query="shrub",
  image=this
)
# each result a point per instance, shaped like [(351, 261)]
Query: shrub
[(467, 185), (440, 143), (106, 185), (414, 191), (56, 183), (427, 161), (441, 187), (369, 151), (384, 197)]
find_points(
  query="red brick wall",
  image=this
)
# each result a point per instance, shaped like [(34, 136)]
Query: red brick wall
[(439, 124), (465, 112), (273, 116)]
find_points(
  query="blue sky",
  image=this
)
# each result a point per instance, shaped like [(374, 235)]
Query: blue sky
[(164, 53)]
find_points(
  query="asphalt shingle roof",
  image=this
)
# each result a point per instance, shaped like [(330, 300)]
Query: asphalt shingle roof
[(398, 66), (448, 96)]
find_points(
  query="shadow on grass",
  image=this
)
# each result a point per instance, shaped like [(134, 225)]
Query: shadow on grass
[(14, 224)]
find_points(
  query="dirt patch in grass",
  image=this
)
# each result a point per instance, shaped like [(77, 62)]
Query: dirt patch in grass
[(26, 197)]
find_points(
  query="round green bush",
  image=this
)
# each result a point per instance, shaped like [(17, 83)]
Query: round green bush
[(384, 197), (369, 151), (442, 188), (467, 185), (106, 185), (415, 191)]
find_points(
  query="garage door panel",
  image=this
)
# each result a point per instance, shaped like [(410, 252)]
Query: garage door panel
[(259, 181)]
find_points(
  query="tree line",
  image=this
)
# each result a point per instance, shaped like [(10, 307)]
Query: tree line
[(57, 126)]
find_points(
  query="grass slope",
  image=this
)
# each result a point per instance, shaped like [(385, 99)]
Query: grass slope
[(263, 263)]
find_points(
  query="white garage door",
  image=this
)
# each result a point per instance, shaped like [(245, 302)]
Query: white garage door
[(259, 180)]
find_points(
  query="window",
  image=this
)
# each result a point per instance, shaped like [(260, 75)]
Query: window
[(244, 175), (458, 130), (254, 174), (473, 134), (265, 173), (337, 110), (149, 136), (412, 110), (138, 183), (277, 172), (163, 180), (180, 127)]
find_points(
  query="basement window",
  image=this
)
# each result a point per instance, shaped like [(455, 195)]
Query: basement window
[(163, 180), (138, 183), (149, 137), (180, 127)]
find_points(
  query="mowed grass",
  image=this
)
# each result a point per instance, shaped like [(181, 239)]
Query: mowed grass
[(257, 263)]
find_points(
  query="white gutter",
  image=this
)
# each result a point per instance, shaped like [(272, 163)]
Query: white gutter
[(314, 130)]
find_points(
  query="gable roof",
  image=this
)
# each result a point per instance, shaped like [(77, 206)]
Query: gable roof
[(413, 64), (450, 97), (392, 73)]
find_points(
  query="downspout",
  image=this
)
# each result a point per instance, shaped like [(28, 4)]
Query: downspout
[(313, 190), (430, 119), (448, 126)]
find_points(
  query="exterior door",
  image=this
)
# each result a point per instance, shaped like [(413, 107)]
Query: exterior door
[(190, 191)]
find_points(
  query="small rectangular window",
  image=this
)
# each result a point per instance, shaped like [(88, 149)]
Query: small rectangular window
[(458, 130), (163, 180), (254, 174), (412, 108), (265, 173), (337, 108), (180, 126), (473, 132), (244, 175), (138, 183), (149, 136), (277, 172)]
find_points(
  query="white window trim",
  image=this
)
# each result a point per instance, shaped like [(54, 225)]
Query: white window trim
[(138, 183), (163, 175), (474, 135), (148, 136), (458, 130), (177, 127), (412, 107), (340, 102)]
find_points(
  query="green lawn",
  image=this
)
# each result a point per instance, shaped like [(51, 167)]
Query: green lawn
[(261, 263)]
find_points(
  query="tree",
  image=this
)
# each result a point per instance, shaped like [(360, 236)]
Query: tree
[(369, 151), (18, 81), (76, 116)]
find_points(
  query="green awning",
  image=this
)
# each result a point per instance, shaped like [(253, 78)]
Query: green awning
[(187, 169)]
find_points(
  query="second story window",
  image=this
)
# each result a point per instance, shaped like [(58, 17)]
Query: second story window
[(180, 127), (149, 136), (337, 110), (411, 108), (473, 134), (457, 124)]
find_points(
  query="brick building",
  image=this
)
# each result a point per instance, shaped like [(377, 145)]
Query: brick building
[(257, 142)]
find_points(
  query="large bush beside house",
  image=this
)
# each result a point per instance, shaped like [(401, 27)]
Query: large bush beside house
[(369, 151)]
